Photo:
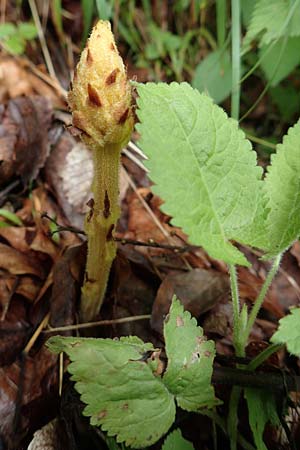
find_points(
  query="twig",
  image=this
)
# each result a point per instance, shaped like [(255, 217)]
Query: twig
[(123, 241), (152, 243), (99, 323), (42, 39), (277, 382)]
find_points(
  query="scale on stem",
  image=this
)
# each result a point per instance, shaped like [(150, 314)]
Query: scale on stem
[(100, 100)]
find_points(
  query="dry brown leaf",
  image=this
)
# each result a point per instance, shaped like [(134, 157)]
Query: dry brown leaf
[(18, 263), (24, 144), (67, 279), (17, 79), (14, 330), (17, 237), (69, 171), (37, 380), (198, 290)]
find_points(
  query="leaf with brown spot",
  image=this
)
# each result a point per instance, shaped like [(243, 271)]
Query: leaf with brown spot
[(121, 393), (190, 360)]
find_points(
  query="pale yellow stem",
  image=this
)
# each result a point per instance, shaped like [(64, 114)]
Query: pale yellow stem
[(99, 226)]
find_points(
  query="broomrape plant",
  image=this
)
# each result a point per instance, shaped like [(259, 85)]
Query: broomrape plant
[(206, 171)]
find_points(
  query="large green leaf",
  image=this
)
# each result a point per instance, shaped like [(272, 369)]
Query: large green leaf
[(203, 167), (282, 188), (213, 75), (118, 386), (262, 409), (289, 332), (190, 360), (119, 383), (270, 21), (289, 53)]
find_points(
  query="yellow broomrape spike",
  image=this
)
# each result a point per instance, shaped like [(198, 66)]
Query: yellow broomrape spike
[(100, 100)]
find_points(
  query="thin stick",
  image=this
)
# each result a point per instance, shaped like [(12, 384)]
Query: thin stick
[(134, 159), (36, 334), (146, 206), (42, 39), (136, 149), (260, 141), (221, 22), (99, 323)]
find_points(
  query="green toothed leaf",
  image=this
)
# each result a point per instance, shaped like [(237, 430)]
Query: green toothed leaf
[(282, 188), (289, 332), (203, 167), (117, 385), (190, 360), (270, 21)]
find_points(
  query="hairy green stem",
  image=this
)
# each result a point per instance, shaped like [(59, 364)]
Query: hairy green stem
[(235, 58), (260, 299), (236, 310)]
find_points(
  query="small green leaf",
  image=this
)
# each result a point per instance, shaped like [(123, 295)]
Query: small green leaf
[(203, 167), (290, 58), (15, 45), (287, 100), (175, 441), (282, 189), (27, 30), (213, 75), (267, 26), (120, 390), (87, 11), (7, 29), (289, 332), (262, 409), (190, 360), (105, 9), (12, 217)]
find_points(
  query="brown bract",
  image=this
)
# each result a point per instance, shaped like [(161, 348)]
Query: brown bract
[(101, 95)]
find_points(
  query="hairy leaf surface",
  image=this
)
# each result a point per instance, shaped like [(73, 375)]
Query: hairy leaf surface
[(289, 332), (190, 360), (262, 409), (267, 25), (175, 441), (282, 187), (120, 390), (203, 167)]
